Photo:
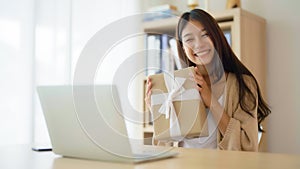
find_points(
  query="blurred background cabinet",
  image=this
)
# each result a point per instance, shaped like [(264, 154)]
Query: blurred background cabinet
[(245, 32)]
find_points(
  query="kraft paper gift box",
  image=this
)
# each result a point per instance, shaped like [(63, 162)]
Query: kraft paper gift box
[(176, 106)]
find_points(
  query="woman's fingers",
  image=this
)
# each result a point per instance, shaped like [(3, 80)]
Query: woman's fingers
[(203, 88), (148, 87), (148, 91), (198, 78)]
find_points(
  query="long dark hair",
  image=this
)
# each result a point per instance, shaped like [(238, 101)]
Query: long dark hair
[(229, 61)]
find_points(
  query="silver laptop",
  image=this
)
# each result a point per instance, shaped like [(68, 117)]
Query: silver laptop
[(88, 122)]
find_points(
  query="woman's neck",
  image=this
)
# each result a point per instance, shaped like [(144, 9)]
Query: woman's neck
[(206, 72)]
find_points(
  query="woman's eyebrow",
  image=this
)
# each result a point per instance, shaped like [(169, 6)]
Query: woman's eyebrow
[(188, 34), (203, 30)]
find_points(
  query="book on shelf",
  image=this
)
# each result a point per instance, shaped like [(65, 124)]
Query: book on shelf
[(153, 46), (162, 8), (150, 16), (174, 52), (162, 54), (166, 55), (161, 12), (227, 33)]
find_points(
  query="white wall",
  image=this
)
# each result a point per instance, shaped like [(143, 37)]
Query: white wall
[(16, 55), (283, 39)]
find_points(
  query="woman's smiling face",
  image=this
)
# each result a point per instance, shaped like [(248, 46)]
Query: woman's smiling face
[(197, 44)]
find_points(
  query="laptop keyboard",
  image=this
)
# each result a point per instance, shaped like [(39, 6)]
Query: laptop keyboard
[(148, 153)]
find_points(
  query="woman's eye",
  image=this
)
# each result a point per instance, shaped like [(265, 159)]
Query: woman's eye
[(188, 40), (204, 35)]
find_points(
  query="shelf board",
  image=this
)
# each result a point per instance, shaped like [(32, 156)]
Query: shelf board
[(167, 25), (148, 129)]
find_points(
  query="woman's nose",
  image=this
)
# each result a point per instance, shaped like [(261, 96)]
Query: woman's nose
[(198, 42)]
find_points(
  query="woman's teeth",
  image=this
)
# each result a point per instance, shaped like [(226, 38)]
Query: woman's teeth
[(199, 54)]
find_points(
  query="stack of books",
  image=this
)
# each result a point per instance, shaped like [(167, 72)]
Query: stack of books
[(162, 54), (160, 12)]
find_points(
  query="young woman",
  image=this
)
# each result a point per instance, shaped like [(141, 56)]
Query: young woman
[(228, 89)]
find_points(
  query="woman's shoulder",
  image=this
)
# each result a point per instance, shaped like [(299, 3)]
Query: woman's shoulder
[(249, 80), (232, 77)]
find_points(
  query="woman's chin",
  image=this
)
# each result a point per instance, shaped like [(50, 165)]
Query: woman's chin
[(201, 62)]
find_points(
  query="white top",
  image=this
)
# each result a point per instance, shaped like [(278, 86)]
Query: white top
[(205, 142)]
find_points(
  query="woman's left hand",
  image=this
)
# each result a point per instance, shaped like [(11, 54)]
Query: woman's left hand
[(203, 88)]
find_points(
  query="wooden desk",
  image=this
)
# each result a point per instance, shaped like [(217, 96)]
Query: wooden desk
[(22, 157)]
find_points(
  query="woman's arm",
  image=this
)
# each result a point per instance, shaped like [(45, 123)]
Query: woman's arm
[(238, 129), (242, 131)]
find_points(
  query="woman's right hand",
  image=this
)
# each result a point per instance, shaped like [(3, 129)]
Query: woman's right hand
[(148, 93)]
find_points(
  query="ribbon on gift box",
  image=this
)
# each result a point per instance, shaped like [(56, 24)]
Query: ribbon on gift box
[(176, 92)]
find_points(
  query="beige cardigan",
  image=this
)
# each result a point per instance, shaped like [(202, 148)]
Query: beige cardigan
[(242, 130)]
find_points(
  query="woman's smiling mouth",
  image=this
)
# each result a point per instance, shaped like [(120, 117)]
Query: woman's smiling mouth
[(201, 53)]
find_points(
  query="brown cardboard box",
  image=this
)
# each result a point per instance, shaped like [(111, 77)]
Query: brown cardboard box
[(191, 114)]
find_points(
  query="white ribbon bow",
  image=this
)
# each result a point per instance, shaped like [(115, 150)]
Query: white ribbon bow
[(176, 92)]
